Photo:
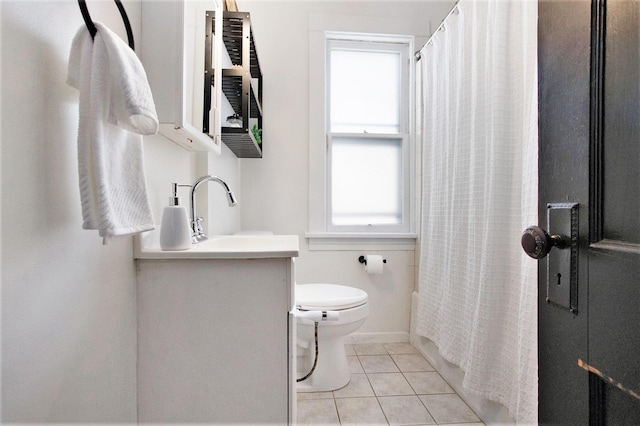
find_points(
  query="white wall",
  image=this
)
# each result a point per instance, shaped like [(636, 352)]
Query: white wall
[(68, 302), (275, 188)]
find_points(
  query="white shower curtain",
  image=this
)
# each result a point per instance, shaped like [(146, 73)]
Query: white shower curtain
[(477, 289)]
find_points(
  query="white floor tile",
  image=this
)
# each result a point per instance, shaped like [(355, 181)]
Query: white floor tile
[(448, 409), (314, 395), (466, 424), (405, 410), (354, 365), (349, 350), (428, 382), (388, 384), (378, 364), (317, 412), (357, 387), (360, 411), (400, 348), (369, 349), (412, 362)]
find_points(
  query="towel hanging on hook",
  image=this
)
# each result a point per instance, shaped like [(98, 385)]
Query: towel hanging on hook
[(92, 28)]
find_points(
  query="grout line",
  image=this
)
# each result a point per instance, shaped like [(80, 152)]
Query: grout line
[(335, 406)]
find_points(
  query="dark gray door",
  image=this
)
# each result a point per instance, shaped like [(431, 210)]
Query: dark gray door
[(589, 128)]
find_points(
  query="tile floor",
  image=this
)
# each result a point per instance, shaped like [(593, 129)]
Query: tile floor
[(391, 383)]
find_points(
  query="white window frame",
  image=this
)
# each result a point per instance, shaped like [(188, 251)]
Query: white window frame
[(321, 231), (372, 43)]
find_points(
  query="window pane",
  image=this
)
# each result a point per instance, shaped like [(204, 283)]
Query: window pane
[(364, 91), (366, 182)]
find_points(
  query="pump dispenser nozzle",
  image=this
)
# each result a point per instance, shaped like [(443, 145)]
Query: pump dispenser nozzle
[(174, 200)]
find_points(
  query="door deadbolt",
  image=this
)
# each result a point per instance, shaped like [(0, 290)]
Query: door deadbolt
[(537, 242)]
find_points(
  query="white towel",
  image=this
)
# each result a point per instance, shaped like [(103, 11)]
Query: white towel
[(116, 108)]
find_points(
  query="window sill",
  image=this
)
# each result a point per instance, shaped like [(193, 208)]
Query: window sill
[(361, 241)]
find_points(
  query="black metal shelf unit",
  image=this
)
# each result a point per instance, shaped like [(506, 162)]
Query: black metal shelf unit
[(241, 84)]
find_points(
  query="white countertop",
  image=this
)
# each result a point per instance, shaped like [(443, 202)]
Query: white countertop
[(147, 246)]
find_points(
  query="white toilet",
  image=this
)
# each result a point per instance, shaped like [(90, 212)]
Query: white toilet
[(332, 370)]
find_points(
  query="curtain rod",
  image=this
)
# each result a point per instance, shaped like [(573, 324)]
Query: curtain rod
[(453, 10)]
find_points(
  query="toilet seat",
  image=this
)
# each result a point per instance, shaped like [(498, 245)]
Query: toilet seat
[(328, 297)]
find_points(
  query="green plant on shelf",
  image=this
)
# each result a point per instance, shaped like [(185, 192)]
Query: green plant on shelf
[(257, 134)]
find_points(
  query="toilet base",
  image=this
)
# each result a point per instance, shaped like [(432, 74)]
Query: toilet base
[(332, 371)]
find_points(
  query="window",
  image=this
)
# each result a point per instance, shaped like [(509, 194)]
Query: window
[(364, 87), (367, 99), (366, 180)]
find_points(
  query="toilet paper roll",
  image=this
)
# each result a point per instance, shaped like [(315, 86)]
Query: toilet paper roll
[(374, 264)]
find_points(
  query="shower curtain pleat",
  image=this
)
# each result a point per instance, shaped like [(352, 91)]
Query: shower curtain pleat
[(477, 290)]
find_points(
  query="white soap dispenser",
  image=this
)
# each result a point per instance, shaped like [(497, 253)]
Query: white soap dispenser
[(175, 232)]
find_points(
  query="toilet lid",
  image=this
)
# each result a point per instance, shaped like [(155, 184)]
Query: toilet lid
[(328, 297)]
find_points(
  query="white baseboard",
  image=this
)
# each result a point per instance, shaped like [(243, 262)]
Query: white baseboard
[(383, 337)]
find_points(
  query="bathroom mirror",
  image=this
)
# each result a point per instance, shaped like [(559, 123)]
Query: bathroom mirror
[(172, 52)]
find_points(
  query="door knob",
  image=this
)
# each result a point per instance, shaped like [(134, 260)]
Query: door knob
[(537, 243)]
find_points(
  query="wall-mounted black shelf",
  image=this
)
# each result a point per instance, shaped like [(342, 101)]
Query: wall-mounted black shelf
[(241, 84)]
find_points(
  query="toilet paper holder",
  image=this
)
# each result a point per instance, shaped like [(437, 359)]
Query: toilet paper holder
[(363, 259)]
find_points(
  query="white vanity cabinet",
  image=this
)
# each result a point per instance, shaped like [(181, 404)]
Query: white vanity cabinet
[(215, 342)]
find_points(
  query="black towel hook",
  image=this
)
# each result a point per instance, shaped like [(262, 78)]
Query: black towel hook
[(92, 28)]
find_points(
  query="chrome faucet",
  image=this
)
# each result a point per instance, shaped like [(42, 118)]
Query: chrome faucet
[(197, 233)]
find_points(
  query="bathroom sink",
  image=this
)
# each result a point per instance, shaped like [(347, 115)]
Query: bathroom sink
[(147, 246), (245, 243)]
